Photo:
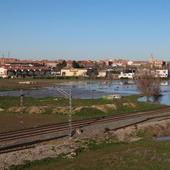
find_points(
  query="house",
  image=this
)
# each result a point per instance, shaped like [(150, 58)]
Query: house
[(74, 72), (51, 64), (137, 63), (3, 72), (163, 73), (157, 63), (101, 74), (127, 75)]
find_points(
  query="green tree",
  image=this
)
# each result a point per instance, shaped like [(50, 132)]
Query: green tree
[(61, 65), (75, 64)]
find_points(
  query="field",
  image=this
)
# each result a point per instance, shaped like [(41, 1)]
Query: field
[(49, 110), (142, 155), (52, 110), (14, 84)]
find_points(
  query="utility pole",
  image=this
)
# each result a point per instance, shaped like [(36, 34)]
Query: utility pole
[(22, 105), (69, 96), (22, 100), (70, 114)]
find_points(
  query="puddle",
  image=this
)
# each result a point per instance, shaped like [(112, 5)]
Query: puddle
[(162, 138)]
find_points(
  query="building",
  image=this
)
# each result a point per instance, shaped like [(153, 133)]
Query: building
[(3, 72), (163, 73), (7, 60), (127, 75), (74, 72), (157, 63), (102, 74), (137, 63), (51, 64)]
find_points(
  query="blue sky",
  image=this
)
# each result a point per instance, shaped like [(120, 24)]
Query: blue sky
[(85, 29)]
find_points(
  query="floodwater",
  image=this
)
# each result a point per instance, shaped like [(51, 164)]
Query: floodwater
[(93, 89), (165, 95), (163, 138)]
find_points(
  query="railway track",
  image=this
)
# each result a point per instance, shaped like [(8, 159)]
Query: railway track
[(59, 127)]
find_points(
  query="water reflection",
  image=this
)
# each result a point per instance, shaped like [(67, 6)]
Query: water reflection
[(95, 89), (163, 138), (164, 99)]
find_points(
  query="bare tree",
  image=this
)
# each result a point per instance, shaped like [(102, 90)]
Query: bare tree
[(148, 84)]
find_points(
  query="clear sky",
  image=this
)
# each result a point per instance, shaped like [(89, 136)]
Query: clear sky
[(85, 29)]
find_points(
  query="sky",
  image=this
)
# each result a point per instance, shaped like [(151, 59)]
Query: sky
[(85, 29)]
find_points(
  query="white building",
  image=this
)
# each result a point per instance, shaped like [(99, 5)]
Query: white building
[(130, 63), (3, 72), (101, 74), (126, 75), (163, 73), (74, 72)]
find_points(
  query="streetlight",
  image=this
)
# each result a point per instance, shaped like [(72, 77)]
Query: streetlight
[(69, 95)]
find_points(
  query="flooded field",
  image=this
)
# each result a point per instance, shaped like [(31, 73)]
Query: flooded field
[(163, 138), (93, 89)]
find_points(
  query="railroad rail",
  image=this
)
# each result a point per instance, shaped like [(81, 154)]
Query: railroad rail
[(17, 135)]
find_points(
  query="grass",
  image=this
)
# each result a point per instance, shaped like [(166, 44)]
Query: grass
[(141, 155), (9, 101), (13, 121)]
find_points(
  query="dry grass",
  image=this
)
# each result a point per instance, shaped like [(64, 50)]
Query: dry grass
[(48, 110), (143, 155)]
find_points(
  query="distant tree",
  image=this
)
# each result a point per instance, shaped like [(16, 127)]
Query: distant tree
[(11, 73), (92, 73), (75, 64), (109, 75), (148, 84), (61, 65), (19, 73), (64, 63), (24, 73), (31, 73)]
